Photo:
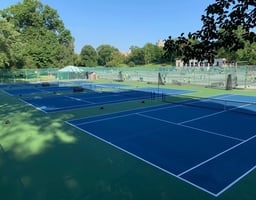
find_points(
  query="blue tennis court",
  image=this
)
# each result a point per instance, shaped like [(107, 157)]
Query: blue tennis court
[(25, 85), (56, 103), (208, 148), (54, 87), (37, 90), (83, 100)]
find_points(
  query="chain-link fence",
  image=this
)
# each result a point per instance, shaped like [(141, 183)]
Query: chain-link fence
[(242, 76), (39, 75)]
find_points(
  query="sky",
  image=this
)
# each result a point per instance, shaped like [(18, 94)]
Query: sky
[(127, 23)]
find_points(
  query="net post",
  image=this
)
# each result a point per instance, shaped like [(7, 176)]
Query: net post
[(163, 97)]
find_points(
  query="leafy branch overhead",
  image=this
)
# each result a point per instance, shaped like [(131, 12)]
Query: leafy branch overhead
[(222, 22)]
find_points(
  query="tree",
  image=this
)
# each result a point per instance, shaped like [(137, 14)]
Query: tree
[(65, 49), (137, 56), (229, 54), (220, 23), (105, 54), (248, 53), (152, 53), (45, 41), (88, 56), (10, 46), (117, 59), (182, 48), (76, 59)]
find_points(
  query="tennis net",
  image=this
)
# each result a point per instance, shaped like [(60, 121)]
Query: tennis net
[(212, 103), (131, 93)]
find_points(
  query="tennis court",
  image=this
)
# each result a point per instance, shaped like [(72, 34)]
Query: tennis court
[(56, 103), (53, 87), (209, 148), (42, 88)]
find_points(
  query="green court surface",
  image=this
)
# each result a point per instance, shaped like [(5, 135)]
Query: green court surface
[(42, 157)]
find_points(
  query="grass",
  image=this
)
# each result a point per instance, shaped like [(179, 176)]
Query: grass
[(41, 157)]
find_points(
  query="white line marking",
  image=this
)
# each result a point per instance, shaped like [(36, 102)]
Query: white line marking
[(213, 133), (217, 113), (234, 182), (198, 129), (202, 117), (82, 100), (37, 108), (134, 155), (104, 119), (163, 108), (199, 187), (120, 112), (218, 155)]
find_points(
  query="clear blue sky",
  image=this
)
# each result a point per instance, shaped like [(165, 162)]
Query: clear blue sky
[(127, 23)]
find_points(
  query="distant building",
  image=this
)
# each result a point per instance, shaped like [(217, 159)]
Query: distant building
[(218, 62), (126, 53), (160, 43)]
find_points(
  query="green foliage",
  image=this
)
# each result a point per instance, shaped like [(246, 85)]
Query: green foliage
[(248, 53), (76, 59), (137, 56), (116, 59), (131, 64), (10, 45), (88, 56), (45, 41), (152, 53), (33, 36), (105, 54), (221, 23)]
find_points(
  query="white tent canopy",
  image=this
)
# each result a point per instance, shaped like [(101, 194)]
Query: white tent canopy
[(71, 69)]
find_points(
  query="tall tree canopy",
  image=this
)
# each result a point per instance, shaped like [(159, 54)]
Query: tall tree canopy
[(10, 46), (105, 53), (221, 22), (152, 53), (88, 56), (44, 39)]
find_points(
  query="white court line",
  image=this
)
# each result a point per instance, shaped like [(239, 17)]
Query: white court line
[(124, 111), (216, 156), (140, 158), (202, 117), (163, 108), (65, 108), (234, 182), (198, 129), (56, 109), (216, 113), (68, 108), (4, 91), (210, 115), (37, 108), (77, 99), (199, 187), (181, 105), (115, 117), (105, 119)]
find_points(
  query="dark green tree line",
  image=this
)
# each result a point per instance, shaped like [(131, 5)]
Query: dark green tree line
[(109, 56)]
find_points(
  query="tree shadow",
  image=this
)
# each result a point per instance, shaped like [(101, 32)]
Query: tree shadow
[(42, 157)]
